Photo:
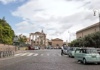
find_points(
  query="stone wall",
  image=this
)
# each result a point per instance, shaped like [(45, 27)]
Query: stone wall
[(6, 50)]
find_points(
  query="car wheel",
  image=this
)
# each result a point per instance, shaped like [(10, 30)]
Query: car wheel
[(69, 55), (61, 52), (84, 61)]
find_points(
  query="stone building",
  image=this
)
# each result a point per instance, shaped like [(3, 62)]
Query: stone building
[(38, 39), (57, 43), (88, 30)]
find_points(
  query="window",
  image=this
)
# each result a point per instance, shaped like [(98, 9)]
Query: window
[(77, 51)]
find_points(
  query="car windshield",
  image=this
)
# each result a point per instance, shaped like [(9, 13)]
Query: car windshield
[(91, 51), (72, 49), (65, 48)]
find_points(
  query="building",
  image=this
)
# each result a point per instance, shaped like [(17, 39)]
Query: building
[(57, 43), (38, 39), (47, 42), (88, 30)]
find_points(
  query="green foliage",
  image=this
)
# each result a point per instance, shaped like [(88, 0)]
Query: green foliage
[(6, 32), (22, 39), (91, 40)]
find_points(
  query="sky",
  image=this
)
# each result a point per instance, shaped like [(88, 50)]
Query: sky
[(58, 18)]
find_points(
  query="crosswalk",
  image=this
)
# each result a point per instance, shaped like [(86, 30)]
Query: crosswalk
[(36, 54)]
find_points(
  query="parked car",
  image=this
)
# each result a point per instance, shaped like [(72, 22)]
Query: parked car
[(98, 50), (36, 47), (64, 50), (71, 51), (87, 55), (30, 48)]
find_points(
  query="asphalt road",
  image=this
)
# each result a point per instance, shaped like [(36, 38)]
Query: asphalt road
[(43, 60)]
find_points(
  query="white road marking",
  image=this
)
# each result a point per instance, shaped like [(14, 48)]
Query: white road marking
[(30, 54), (48, 54), (16, 54), (23, 54), (35, 54), (41, 54)]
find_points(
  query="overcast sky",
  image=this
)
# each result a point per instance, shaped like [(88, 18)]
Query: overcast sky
[(58, 18)]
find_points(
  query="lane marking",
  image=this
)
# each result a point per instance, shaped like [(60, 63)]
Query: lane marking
[(16, 54), (41, 54), (30, 54), (23, 54), (48, 54), (35, 54)]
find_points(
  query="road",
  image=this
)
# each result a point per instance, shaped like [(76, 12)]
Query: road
[(43, 60)]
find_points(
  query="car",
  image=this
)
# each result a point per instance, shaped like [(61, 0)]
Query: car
[(64, 50), (87, 55), (30, 48), (71, 51), (98, 50), (36, 48)]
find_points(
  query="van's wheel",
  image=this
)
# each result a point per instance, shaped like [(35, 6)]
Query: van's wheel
[(84, 61)]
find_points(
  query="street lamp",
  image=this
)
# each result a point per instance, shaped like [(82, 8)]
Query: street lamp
[(69, 36), (97, 12)]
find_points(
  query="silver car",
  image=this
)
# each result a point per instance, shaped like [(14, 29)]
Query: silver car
[(87, 55), (64, 50)]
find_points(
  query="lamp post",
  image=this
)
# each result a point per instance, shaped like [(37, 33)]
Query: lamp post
[(97, 13), (69, 36)]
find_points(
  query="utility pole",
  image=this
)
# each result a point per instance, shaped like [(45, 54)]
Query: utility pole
[(97, 13)]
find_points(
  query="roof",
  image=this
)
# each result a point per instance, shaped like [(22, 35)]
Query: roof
[(96, 24), (57, 39), (37, 33)]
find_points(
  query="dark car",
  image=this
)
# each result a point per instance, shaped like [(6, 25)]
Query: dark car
[(30, 48)]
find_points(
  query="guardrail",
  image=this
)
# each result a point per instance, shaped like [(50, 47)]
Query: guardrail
[(6, 51)]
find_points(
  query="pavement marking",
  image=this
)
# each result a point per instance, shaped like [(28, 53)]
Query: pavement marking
[(41, 54), (16, 54), (23, 54), (35, 54), (30, 54), (48, 54)]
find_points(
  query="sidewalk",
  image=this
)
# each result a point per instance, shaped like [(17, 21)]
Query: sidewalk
[(20, 51)]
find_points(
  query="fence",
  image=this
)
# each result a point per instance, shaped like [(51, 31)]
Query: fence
[(6, 50)]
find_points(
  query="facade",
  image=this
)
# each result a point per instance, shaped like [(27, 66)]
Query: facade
[(91, 29), (47, 42), (57, 43), (38, 39)]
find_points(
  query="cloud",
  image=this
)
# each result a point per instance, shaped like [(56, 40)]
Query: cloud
[(7, 1), (56, 17), (10, 1)]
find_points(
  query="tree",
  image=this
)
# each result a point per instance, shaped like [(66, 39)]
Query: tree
[(22, 40), (91, 40), (6, 32)]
